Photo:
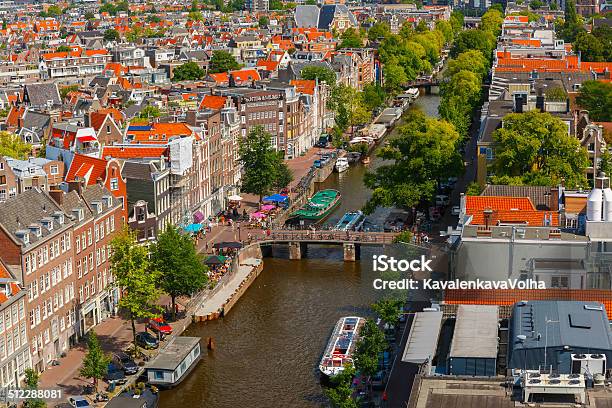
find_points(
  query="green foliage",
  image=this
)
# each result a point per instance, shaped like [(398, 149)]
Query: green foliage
[(596, 97), (472, 60), (556, 94), (182, 272), (350, 39), (373, 96), (13, 146), (89, 16), (370, 344), (189, 71), (276, 5), (473, 189), (605, 164), (63, 48), (572, 25), (446, 29), (339, 394), (152, 18), (263, 21), (536, 148), (457, 21), (95, 363), (195, 16), (492, 21), (535, 4), (403, 237), (424, 151), (67, 89), (395, 78), (263, 167), (31, 381), (460, 96), (498, 7), (135, 276), (378, 31), (389, 310), (111, 35), (590, 47), (222, 61), (320, 73), (149, 112), (481, 40), (52, 11)]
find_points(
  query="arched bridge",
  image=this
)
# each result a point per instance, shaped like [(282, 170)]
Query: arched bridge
[(298, 240)]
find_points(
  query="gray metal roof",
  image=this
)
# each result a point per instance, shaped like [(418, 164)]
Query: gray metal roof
[(173, 354), (306, 16), (423, 337), (475, 334), (571, 323)]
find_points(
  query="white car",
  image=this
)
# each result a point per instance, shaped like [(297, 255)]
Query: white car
[(455, 210), (79, 402)]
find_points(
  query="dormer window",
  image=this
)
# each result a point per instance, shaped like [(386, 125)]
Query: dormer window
[(24, 236), (47, 223), (36, 230), (109, 200), (59, 217), (97, 205), (78, 213)]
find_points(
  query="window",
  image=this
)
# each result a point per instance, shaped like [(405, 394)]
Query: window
[(78, 246), (32, 321), (96, 233), (159, 375), (91, 261), (114, 184), (561, 282), (89, 239), (2, 180), (54, 170)]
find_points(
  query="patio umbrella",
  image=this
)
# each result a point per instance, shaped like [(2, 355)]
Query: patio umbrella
[(258, 215), (193, 228), (215, 260), (235, 197), (267, 207), (232, 245), (276, 198)]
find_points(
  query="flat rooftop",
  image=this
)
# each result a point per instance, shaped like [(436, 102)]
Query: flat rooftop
[(173, 354), (423, 338), (475, 333)]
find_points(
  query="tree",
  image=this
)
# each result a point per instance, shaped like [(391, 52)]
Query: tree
[(472, 60), (31, 382), (350, 39), (596, 97), (152, 18), (263, 21), (340, 393), (95, 363), (423, 152), (11, 145), (370, 344), (189, 71), (605, 163), (473, 189), (111, 35), (194, 5), (63, 48), (136, 277), (374, 96), (182, 272), (378, 31), (556, 93), (591, 49), (149, 112), (54, 11), (64, 91), (492, 20), (481, 40), (283, 175), (222, 61), (195, 16), (89, 16), (535, 4), (320, 73), (536, 148), (457, 21), (389, 310), (572, 25), (395, 77), (446, 29), (260, 162), (135, 34)]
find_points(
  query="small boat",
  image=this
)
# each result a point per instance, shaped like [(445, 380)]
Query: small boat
[(366, 160), (413, 93), (342, 164), (353, 157), (351, 221), (341, 345), (318, 207)]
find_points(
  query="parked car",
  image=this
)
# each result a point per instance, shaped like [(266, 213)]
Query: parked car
[(159, 325), (455, 210), (322, 142), (115, 375), (317, 163), (79, 402), (147, 340), (125, 363)]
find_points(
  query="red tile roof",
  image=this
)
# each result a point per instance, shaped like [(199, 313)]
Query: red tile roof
[(85, 167), (213, 102), (305, 86), (134, 152), (4, 273), (507, 210)]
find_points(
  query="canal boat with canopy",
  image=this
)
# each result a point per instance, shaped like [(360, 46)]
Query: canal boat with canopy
[(351, 221), (341, 345), (317, 208)]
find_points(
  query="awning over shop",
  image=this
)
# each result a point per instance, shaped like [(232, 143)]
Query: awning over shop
[(276, 198), (232, 245)]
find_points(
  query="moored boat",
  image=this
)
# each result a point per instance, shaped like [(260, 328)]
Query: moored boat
[(351, 221), (341, 346), (318, 207), (353, 157), (413, 93), (342, 164)]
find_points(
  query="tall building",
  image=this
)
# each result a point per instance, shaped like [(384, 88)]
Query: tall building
[(256, 5)]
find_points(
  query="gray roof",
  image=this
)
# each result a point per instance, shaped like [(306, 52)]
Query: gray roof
[(35, 120), (72, 201), (25, 168), (139, 170), (582, 325), (313, 16), (306, 16), (30, 207), (423, 338), (171, 356), (475, 334), (40, 94)]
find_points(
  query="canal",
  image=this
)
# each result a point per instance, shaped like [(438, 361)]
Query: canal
[(268, 347)]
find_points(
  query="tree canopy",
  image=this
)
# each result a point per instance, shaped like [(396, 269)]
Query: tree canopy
[(11, 145), (182, 272), (189, 71), (222, 61), (423, 152), (596, 97), (111, 35), (95, 363), (263, 167), (351, 38), (318, 72), (535, 148)]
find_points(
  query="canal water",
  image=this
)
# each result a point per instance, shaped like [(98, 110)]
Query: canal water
[(268, 347)]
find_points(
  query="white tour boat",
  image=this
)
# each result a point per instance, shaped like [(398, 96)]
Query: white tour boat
[(341, 345)]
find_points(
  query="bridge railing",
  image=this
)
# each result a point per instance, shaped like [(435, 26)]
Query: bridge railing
[(328, 236)]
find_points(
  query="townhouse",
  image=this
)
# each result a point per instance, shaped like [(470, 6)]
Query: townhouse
[(78, 62)]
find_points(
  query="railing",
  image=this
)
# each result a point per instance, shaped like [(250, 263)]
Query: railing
[(327, 236)]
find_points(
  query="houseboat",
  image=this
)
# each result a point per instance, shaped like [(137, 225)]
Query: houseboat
[(318, 207), (353, 157), (413, 93), (351, 221), (174, 362), (341, 345), (342, 164)]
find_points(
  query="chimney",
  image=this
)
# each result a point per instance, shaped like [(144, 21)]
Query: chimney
[(487, 217), (57, 196), (75, 186), (554, 199)]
